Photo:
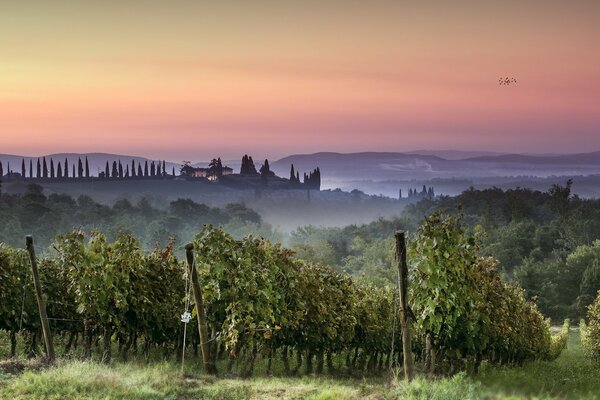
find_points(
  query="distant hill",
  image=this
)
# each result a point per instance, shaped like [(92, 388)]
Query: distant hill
[(566, 159), (384, 172), (454, 154)]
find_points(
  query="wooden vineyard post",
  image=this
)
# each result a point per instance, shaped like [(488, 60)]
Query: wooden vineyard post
[(209, 365), (402, 291), (40, 300)]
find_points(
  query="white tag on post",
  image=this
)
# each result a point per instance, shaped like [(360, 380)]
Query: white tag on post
[(186, 317)]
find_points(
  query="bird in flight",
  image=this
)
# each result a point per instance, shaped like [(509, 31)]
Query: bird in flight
[(507, 81)]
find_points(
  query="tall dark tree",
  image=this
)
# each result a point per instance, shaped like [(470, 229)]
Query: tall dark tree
[(164, 169), (133, 168), (51, 168), (115, 170), (73, 170), (140, 173), (45, 168), (127, 171), (146, 169), (173, 171), (292, 174), (297, 177), (244, 166), (248, 167), (30, 168), (1, 170), (80, 169), (39, 169), (215, 167), (265, 171), (66, 168), (87, 168), (59, 171), (152, 168), (23, 168), (120, 170), (106, 170)]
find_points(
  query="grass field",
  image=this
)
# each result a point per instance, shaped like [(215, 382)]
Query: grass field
[(569, 377)]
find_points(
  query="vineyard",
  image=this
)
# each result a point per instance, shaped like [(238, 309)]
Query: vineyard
[(261, 304)]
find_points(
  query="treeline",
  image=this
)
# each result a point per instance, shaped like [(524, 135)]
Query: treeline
[(81, 169), (547, 242), (261, 302), (311, 180), (44, 216)]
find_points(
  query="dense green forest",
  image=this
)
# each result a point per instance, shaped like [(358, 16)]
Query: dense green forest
[(547, 242), (46, 216)]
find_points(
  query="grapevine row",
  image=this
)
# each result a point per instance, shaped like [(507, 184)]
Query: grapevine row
[(263, 303)]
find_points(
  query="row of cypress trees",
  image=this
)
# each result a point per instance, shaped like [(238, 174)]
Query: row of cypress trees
[(81, 169), (153, 169), (48, 170)]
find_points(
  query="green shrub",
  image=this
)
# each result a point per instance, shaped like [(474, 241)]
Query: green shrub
[(559, 341), (590, 332)]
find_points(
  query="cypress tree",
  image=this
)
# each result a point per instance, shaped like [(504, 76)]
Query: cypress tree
[(73, 168), (45, 168), (127, 171), (59, 171), (244, 167), (251, 166), (23, 168), (87, 168), (39, 169), (30, 168), (51, 168), (140, 173), (297, 177), (318, 187), (120, 170), (1, 170), (264, 171), (164, 169), (146, 169), (173, 171), (106, 170), (66, 168), (292, 174), (80, 168), (115, 170), (133, 168)]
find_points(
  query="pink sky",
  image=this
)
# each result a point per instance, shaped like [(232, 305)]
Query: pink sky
[(183, 80)]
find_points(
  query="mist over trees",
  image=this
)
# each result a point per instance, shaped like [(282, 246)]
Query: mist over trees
[(46, 216), (547, 242)]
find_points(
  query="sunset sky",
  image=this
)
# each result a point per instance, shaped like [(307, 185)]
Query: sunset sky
[(192, 79)]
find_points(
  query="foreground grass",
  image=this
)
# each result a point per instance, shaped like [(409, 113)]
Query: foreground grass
[(569, 377), (82, 380)]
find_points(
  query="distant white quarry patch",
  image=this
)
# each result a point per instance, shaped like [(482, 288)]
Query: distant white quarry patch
[(416, 165)]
